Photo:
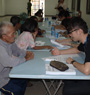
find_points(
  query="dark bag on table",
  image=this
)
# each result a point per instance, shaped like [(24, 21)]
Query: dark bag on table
[(59, 65)]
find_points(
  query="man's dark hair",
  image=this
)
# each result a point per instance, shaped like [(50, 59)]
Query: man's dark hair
[(29, 26), (60, 9), (66, 22), (33, 17), (15, 20), (64, 13), (78, 23)]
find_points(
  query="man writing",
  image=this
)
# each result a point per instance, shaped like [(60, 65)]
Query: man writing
[(78, 31)]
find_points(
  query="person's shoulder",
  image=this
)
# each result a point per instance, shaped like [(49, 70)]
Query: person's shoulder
[(27, 34)]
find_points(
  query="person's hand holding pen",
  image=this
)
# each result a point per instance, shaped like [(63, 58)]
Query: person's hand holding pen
[(55, 51)]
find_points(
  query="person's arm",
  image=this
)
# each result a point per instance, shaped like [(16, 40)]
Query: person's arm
[(17, 51), (60, 27), (29, 55), (64, 40), (9, 61), (42, 47), (62, 52), (84, 68)]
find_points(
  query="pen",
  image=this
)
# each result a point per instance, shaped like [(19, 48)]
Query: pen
[(51, 50)]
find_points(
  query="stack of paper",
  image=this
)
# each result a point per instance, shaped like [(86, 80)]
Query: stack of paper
[(52, 71)]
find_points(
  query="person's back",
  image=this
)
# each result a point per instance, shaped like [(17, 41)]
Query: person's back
[(61, 4), (27, 37)]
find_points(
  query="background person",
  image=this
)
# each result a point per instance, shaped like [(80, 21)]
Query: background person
[(39, 15), (40, 32), (29, 4), (61, 4), (28, 36)]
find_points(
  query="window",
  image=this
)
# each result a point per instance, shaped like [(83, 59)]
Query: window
[(88, 7), (37, 4), (73, 5), (78, 5)]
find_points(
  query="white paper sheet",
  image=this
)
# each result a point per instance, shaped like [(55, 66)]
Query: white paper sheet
[(62, 58), (56, 43)]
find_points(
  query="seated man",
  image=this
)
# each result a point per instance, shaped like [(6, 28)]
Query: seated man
[(10, 56), (78, 31)]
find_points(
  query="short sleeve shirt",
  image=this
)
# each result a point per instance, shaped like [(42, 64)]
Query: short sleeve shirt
[(25, 40), (86, 48)]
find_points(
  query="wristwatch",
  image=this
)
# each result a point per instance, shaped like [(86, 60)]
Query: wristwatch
[(73, 61)]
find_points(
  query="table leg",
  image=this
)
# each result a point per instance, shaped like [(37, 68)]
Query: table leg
[(52, 85), (46, 87)]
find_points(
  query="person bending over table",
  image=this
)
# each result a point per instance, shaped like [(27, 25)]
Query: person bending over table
[(39, 15), (40, 32), (78, 30), (15, 20), (11, 56), (27, 37)]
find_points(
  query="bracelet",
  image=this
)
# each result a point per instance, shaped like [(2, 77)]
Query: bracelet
[(73, 61)]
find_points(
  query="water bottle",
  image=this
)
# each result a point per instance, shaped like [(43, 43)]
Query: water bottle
[(52, 31), (45, 19), (56, 35), (49, 23)]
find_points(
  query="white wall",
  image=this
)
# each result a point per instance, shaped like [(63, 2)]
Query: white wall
[(16, 6), (85, 16), (2, 7), (50, 6)]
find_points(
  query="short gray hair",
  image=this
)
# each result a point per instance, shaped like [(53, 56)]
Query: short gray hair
[(2, 27)]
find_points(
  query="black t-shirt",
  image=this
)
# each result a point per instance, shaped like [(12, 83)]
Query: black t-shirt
[(85, 48)]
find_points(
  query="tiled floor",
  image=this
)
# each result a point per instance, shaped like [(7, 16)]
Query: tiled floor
[(38, 88)]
